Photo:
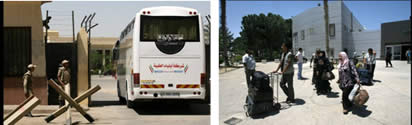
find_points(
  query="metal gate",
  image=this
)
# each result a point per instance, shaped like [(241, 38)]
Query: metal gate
[(55, 53)]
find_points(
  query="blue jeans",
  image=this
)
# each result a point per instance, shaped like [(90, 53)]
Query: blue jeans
[(299, 70)]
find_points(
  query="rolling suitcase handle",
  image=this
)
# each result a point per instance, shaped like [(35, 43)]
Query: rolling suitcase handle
[(272, 76)]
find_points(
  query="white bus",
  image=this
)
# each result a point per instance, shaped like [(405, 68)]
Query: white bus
[(162, 56)]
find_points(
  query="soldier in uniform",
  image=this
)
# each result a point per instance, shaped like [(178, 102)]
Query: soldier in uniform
[(27, 83), (63, 76)]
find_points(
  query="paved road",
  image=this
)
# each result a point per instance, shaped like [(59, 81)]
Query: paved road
[(389, 102), (108, 111), (105, 103)]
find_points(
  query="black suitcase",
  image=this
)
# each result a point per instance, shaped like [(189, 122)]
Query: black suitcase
[(260, 81), (259, 96), (254, 108)]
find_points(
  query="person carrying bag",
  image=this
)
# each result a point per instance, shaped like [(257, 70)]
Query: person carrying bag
[(348, 78)]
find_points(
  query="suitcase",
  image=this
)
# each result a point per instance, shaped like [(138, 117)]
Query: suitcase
[(260, 100), (364, 76), (260, 81), (261, 96), (254, 108)]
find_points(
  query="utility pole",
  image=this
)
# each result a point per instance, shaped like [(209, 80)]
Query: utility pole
[(88, 29), (224, 39), (325, 8), (47, 27)]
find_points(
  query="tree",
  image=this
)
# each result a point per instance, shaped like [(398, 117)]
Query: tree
[(225, 43), (264, 34)]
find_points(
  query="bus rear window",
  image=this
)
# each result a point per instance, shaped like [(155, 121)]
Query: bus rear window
[(157, 27)]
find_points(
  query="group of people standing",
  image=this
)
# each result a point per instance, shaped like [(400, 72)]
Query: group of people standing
[(63, 77), (347, 78)]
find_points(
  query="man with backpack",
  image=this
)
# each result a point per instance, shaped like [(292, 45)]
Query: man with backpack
[(287, 71)]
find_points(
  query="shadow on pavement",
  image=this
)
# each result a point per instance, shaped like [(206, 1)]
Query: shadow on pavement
[(375, 80), (299, 101), (361, 111), (266, 114), (303, 78), (333, 95), (104, 103), (166, 108), (39, 115)]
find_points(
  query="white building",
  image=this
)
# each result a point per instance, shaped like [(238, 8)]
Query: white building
[(345, 31)]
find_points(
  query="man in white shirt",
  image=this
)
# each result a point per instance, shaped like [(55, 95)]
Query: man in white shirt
[(299, 57), (370, 61), (249, 64)]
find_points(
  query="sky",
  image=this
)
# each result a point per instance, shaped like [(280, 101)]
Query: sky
[(112, 16), (371, 14)]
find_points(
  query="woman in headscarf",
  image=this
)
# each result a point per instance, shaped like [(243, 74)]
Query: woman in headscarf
[(348, 78), (323, 66)]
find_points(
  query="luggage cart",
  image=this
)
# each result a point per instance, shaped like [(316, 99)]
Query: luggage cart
[(272, 78)]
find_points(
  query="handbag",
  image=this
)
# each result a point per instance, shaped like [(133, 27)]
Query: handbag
[(328, 75), (361, 97)]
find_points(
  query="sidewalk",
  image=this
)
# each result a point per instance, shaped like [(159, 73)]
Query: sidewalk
[(389, 101)]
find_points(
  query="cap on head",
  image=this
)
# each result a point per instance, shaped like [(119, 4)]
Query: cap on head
[(65, 61), (31, 66)]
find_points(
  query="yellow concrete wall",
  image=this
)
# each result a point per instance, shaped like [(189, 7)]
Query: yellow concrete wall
[(82, 58), (28, 13)]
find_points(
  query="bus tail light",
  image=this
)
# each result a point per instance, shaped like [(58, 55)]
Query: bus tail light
[(190, 12), (136, 79), (202, 79), (194, 13), (148, 12)]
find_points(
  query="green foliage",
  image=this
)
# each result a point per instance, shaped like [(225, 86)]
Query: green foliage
[(225, 43), (239, 46), (95, 60), (238, 58), (264, 34), (221, 60)]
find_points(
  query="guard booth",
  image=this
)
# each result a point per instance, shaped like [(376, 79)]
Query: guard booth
[(55, 53)]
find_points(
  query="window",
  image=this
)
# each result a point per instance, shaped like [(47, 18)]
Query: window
[(302, 35), (331, 30), (155, 27), (295, 36), (311, 31), (345, 28), (17, 50)]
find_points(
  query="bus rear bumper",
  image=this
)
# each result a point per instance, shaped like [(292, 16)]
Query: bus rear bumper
[(157, 94)]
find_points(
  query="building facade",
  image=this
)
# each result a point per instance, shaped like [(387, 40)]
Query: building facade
[(23, 45), (345, 31), (396, 38)]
